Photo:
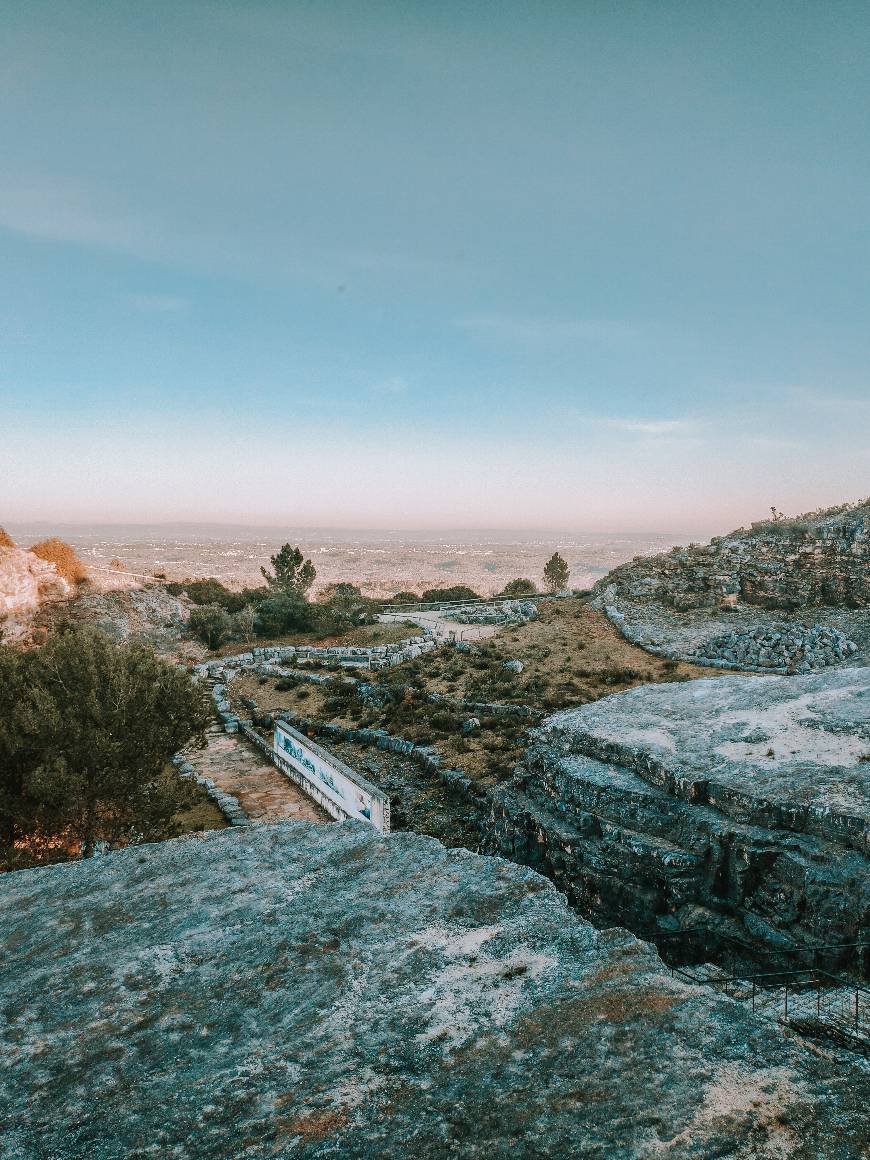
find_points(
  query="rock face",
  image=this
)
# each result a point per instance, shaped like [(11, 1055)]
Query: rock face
[(26, 583), (296, 990), (739, 804), (821, 560), (148, 614)]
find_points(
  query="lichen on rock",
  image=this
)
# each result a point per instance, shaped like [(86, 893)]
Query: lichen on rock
[(295, 990)]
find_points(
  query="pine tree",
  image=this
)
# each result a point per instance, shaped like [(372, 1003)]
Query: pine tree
[(556, 573), (118, 714), (292, 573)]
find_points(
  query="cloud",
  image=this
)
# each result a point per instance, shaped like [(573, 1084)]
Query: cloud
[(655, 428), (66, 211), (534, 331), (395, 385), (827, 401)]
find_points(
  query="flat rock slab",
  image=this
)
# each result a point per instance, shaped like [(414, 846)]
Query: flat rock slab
[(799, 743), (262, 790), (322, 991)]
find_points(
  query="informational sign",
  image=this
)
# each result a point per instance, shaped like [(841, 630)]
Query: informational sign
[(340, 785)]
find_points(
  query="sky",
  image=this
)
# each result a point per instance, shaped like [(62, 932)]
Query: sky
[(488, 265)]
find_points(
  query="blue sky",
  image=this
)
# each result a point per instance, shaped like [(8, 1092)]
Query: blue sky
[(580, 265)]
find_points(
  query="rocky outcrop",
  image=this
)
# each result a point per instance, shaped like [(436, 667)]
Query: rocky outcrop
[(322, 991), (26, 583), (739, 804), (508, 612), (817, 560), (148, 614)]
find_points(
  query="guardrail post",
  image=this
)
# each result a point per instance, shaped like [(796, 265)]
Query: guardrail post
[(786, 999)]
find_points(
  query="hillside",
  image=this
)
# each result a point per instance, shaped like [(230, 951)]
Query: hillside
[(783, 595)]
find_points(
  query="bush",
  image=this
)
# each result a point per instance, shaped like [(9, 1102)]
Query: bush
[(405, 598), (347, 605), (284, 612), (210, 624), (6, 540), (87, 726), (447, 595), (63, 556), (212, 591), (519, 587)]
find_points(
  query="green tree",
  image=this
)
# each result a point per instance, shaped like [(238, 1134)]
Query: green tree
[(28, 716), (519, 587), (556, 573), (119, 713), (346, 604), (405, 598), (211, 624), (292, 573), (284, 612)]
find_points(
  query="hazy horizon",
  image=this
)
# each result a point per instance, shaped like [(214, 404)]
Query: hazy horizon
[(415, 266)]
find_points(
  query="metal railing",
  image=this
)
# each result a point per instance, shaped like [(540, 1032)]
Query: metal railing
[(807, 998)]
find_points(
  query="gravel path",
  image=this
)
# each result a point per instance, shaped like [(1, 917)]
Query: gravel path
[(442, 629)]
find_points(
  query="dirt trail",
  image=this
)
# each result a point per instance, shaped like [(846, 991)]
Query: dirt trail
[(264, 793)]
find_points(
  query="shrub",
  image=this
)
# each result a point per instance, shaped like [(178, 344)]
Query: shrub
[(456, 593), (87, 726), (6, 540), (210, 624), (519, 587), (63, 556), (212, 591), (284, 612), (405, 598), (347, 605)]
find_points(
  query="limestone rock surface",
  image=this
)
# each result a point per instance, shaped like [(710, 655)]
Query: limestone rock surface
[(305, 991), (748, 797)]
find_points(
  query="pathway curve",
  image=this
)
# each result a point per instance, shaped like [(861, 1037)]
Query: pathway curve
[(263, 792), (442, 629)]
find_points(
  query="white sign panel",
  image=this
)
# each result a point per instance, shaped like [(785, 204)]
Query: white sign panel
[(352, 794)]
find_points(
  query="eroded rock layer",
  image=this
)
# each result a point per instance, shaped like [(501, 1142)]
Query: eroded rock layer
[(786, 564), (740, 804), (295, 990)]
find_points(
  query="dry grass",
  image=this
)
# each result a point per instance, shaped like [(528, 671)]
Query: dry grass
[(571, 655), (6, 540), (63, 556)]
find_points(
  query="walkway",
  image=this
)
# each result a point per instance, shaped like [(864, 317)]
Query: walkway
[(442, 629), (263, 792)]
